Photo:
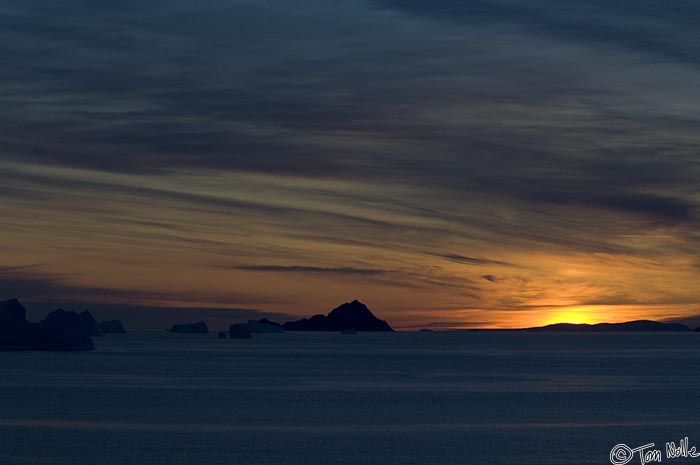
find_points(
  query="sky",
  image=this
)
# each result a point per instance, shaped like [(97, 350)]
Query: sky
[(451, 164)]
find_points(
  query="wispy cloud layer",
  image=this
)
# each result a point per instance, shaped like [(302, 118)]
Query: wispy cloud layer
[(483, 156)]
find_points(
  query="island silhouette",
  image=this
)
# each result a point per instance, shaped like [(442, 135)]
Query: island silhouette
[(348, 318), (351, 315)]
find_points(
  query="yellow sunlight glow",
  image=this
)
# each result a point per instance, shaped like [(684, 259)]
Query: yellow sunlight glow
[(575, 315)]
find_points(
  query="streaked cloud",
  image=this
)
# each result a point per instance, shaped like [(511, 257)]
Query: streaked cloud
[(311, 269), (485, 161), (470, 260)]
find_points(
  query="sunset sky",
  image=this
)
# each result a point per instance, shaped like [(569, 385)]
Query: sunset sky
[(452, 164)]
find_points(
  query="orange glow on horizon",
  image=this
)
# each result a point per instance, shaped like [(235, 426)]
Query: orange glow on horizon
[(530, 317), (594, 314)]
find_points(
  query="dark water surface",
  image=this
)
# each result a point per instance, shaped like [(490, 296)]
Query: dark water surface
[(404, 398)]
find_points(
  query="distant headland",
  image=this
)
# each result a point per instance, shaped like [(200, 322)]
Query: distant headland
[(629, 326)]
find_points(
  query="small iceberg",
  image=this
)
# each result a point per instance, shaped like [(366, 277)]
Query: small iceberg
[(239, 331)]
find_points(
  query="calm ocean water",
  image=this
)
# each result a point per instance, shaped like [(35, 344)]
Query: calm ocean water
[(321, 399)]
